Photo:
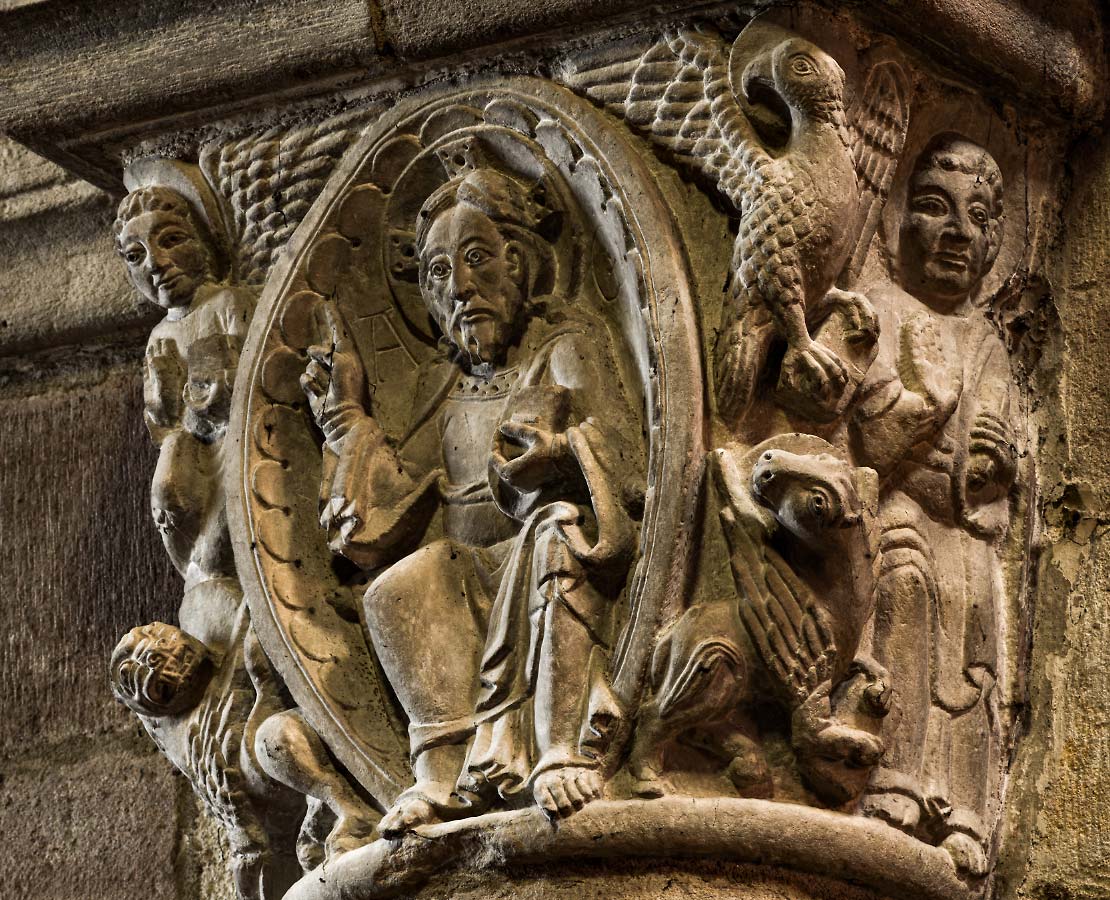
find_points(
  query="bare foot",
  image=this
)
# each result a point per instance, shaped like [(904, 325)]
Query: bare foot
[(411, 810), (648, 782), (897, 810), (559, 792), (349, 832), (967, 854)]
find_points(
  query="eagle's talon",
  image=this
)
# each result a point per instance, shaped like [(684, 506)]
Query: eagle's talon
[(814, 370)]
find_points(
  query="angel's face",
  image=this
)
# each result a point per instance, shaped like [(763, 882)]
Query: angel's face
[(949, 236), (166, 259), (471, 279)]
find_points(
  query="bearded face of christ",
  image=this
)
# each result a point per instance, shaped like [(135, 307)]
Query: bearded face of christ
[(473, 283)]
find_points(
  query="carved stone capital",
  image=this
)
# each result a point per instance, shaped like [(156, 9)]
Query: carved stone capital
[(616, 455)]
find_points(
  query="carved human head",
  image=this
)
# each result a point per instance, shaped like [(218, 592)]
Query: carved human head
[(212, 364), (484, 247), (168, 251), (952, 229), (159, 670)]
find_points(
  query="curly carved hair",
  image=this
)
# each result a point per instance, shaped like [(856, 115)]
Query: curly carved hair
[(159, 670), (163, 199)]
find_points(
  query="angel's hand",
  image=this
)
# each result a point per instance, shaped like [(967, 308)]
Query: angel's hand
[(544, 459), (993, 456), (163, 382)]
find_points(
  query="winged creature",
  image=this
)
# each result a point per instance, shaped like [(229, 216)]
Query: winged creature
[(800, 524), (766, 125)]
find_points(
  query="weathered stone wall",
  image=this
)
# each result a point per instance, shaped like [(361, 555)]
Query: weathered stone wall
[(88, 807), (1058, 845)]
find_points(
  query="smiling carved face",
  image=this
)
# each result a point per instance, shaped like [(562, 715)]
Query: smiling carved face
[(950, 234), (471, 279), (166, 259)]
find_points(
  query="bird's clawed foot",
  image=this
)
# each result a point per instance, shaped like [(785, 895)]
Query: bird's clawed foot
[(849, 745), (814, 370)]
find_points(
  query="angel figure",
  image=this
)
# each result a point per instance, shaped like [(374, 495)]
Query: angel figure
[(204, 691), (938, 418)]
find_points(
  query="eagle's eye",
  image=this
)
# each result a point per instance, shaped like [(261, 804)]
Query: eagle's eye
[(803, 65), (819, 505)]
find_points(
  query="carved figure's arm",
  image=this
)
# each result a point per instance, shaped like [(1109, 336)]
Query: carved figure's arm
[(991, 444), (579, 382), (334, 382), (372, 505), (899, 410), (236, 309), (889, 422)]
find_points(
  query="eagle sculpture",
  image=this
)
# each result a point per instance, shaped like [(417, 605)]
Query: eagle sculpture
[(767, 126)]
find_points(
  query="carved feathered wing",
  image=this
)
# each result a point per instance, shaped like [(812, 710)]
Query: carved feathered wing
[(676, 92), (269, 180), (792, 633), (212, 764), (878, 117)]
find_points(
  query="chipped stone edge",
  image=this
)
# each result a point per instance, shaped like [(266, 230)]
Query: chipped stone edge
[(778, 835)]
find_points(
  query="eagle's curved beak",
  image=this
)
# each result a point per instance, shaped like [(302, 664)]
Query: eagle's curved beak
[(758, 81), (764, 104)]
